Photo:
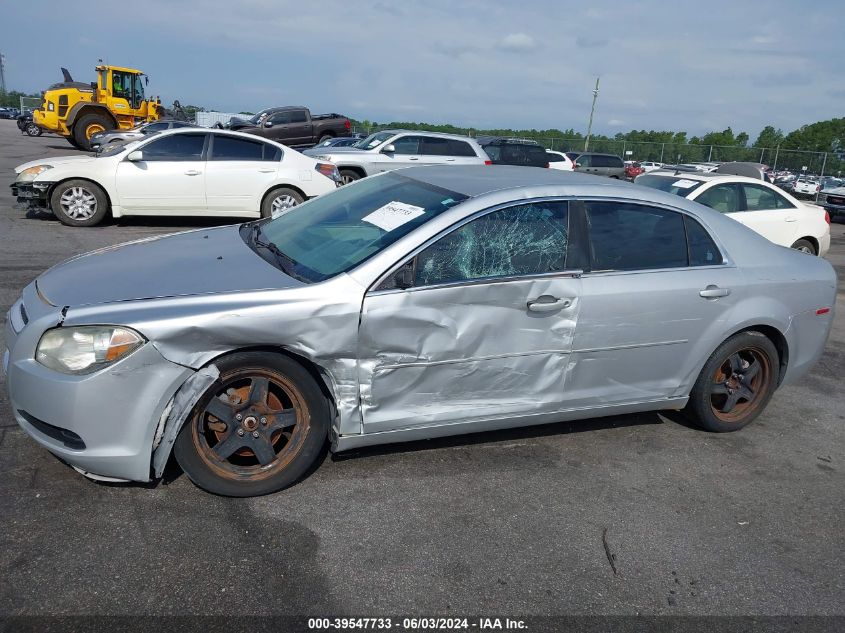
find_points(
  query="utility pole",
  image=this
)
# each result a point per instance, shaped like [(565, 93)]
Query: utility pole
[(2, 73), (592, 110)]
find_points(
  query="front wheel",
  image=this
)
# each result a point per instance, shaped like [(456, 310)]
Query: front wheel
[(258, 428), (735, 384), (348, 176), (278, 201), (79, 203), (33, 130), (805, 246)]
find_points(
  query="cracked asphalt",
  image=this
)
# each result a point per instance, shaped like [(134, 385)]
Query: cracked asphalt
[(507, 523)]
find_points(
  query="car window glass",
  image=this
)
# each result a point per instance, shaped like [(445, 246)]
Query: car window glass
[(584, 160), (759, 198), (231, 148), (459, 148), (625, 236), (279, 118), (175, 147), (554, 158), (723, 198), (298, 116), (181, 124), (153, 127), (702, 249), (407, 145), (527, 239), (433, 146)]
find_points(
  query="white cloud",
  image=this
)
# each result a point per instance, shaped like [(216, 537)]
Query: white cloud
[(516, 43)]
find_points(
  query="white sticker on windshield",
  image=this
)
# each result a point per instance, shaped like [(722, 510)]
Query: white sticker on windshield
[(683, 183), (393, 215)]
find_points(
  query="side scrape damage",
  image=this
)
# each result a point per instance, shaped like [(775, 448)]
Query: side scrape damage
[(176, 412)]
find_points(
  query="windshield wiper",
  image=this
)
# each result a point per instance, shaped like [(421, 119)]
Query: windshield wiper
[(285, 262)]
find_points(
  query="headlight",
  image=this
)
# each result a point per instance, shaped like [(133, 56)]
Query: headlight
[(29, 174), (85, 349)]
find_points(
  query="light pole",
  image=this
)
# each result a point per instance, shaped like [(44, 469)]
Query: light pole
[(592, 110), (2, 73)]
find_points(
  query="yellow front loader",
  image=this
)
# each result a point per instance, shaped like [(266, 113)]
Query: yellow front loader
[(78, 110)]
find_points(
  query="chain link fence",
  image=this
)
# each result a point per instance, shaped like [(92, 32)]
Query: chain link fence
[(28, 104), (814, 163)]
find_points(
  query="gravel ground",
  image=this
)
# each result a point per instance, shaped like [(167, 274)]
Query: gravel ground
[(508, 523)]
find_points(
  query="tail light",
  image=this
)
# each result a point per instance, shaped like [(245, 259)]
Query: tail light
[(822, 311), (329, 170), (827, 217), (488, 162), (347, 124), (546, 165)]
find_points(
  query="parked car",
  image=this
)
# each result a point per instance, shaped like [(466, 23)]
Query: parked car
[(103, 139), (649, 165), (174, 172), (806, 187), (755, 203), (6, 113), (341, 141), (27, 126), (243, 349), (608, 165), (295, 126), (393, 149), (514, 151), (633, 170), (833, 201), (559, 160)]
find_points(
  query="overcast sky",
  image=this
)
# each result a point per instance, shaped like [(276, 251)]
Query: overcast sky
[(668, 65)]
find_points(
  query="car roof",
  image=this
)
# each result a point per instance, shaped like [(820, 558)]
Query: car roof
[(506, 140), (476, 180), (206, 130), (703, 176), (459, 137)]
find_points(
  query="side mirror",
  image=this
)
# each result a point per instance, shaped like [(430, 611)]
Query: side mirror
[(268, 124), (135, 156), (577, 165), (388, 149)]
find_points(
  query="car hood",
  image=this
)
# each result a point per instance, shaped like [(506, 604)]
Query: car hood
[(836, 191), (57, 160), (206, 261)]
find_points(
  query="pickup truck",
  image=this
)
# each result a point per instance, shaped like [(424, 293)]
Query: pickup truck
[(294, 126)]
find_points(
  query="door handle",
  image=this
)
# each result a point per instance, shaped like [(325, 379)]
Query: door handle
[(791, 219), (548, 303), (413, 158), (714, 292), (266, 171), (450, 160), (192, 172)]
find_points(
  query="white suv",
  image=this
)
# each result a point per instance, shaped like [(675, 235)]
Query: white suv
[(394, 149)]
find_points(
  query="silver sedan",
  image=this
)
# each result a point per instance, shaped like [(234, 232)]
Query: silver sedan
[(419, 303)]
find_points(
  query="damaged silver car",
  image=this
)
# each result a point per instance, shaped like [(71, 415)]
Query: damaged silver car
[(419, 303)]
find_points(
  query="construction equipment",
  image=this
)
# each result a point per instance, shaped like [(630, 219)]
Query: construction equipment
[(78, 110)]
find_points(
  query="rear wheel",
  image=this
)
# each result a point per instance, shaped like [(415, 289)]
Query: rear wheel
[(736, 383), (79, 203), (278, 201), (348, 175), (87, 126), (258, 428), (805, 246), (33, 130), (324, 137)]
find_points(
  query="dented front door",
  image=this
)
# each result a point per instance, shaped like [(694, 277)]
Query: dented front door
[(484, 333)]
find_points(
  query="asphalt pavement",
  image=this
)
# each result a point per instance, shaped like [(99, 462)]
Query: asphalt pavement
[(639, 514)]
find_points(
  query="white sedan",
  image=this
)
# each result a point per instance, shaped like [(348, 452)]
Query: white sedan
[(180, 172), (760, 206)]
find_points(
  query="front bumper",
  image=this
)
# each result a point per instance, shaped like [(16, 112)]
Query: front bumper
[(30, 195), (102, 423)]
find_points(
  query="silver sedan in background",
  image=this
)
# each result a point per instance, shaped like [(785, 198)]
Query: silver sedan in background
[(419, 303)]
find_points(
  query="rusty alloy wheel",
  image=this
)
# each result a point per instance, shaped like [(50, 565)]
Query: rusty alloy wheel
[(740, 384), (253, 426)]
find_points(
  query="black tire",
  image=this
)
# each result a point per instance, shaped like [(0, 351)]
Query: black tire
[(325, 137), (72, 204), (33, 130), (735, 384), (348, 176), (292, 399), (276, 200), (805, 246), (87, 122), (73, 142)]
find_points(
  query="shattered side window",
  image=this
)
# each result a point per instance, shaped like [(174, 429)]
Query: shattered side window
[(528, 239)]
